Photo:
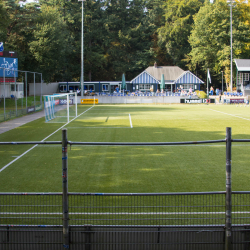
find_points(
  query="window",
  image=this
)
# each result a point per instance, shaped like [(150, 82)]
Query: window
[(246, 76), (188, 86), (62, 88), (89, 87), (240, 78), (12, 87), (144, 86), (105, 87)]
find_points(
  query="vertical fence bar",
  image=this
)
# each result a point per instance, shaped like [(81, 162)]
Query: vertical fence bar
[(22, 94), (26, 88), (15, 93), (65, 189), (4, 93), (228, 224), (34, 89)]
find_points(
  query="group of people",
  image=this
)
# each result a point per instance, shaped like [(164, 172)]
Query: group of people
[(185, 92), (211, 90)]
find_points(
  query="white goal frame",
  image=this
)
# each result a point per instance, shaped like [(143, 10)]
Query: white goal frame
[(49, 105)]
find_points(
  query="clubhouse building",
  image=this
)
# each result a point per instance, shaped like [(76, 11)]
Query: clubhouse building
[(147, 81)]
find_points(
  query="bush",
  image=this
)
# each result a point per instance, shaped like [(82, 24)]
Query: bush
[(201, 94)]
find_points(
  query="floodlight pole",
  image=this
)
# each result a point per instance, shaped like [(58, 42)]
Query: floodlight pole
[(231, 43), (231, 28), (82, 51)]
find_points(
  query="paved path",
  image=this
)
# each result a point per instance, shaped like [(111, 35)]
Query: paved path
[(17, 122)]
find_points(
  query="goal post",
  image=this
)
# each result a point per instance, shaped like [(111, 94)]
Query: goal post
[(60, 108)]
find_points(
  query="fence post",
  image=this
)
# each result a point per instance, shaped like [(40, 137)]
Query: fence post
[(65, 189), (228, 231)]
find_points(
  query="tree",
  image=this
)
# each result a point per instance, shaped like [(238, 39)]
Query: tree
[(155, 14), (210, 38), (178, 25), (94, 37), (128, 43), (16, 28), (50, 42)]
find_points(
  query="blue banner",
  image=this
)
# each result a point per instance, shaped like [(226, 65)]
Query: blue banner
[(10, 64)]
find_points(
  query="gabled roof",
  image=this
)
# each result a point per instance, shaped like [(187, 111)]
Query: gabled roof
[(242, 64), (145, 77), (171, 73), (188, 77)]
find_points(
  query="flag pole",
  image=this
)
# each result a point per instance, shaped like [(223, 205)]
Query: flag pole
[(207, 82)]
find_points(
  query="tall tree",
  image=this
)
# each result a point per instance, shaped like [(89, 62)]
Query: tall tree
[(16, 28), (178, 25), (210, 37), (128, 41), (94, 37), (155, 13), (49, 44)]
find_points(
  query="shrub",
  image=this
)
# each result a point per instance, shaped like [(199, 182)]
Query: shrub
[(201, 94)]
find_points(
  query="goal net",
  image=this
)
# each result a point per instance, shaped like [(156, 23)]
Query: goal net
[(60, 108)]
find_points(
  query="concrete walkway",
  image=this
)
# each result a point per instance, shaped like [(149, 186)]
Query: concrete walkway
[(17, 122)]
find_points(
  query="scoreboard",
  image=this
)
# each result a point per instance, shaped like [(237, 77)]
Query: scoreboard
[(12, 54)]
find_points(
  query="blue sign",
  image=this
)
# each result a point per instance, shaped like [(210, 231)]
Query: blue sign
[(11, 65), (1, 46)]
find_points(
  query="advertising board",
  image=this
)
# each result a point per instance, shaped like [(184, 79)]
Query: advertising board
[(89, 101), (10, 64), (31, 109), (241, 100)]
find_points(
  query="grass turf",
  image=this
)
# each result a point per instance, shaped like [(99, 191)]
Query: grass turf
[(106, 169)]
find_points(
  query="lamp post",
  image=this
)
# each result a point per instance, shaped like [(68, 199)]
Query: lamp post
[(82, 52), (231, 43)]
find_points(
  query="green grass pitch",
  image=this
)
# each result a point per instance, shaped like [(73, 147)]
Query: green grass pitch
[(131, 169)]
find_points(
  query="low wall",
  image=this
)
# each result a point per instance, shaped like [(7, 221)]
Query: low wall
[(134, 99), (47, 89), (122, 238)]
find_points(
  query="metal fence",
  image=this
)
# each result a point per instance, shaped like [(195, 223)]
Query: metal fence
[(207, 220), (13, 102)]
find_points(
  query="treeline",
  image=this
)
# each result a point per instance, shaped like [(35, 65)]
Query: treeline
[(124, 36)]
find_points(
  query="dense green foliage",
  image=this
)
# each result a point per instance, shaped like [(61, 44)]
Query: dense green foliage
[(124, 36)]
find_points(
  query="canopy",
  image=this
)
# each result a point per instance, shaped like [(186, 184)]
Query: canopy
[(162, 82), (123, 82)]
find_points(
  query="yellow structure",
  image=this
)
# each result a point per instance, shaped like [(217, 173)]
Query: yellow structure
[(89, 101)]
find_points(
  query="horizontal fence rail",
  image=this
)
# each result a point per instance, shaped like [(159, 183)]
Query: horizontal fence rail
[(126, 209), (192, 220)]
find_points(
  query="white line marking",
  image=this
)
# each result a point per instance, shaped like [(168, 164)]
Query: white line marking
[(130, 121), (230, 114), (42, 141)]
